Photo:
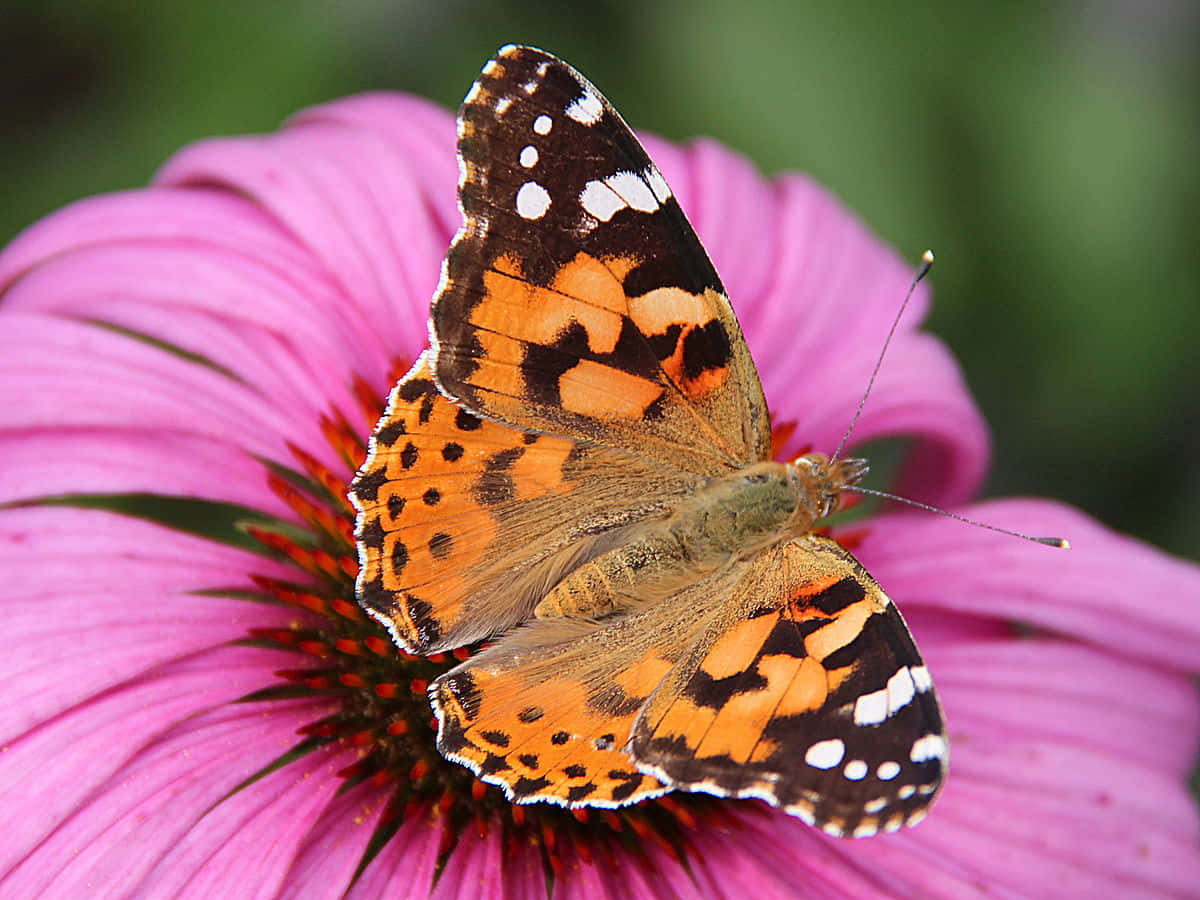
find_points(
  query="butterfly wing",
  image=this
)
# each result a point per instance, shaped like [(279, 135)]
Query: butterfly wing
[(546, 712), (807, 691), (576, 299), (464, 523), (792, 679)]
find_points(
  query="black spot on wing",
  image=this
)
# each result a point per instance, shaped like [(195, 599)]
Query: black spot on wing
[(531, 714), (399, 557), (704, 690), (632, 781), (408, 456), (495, 738), (466, 421), (428, 630), (390, 433), (705, 349), (787, 638), (580, 792), (366, 486), (836, 597), (416, 387), (525, 787), (452, 452), (494, 485), (493, 764), (441, 545), (528, 760), (371, 534)]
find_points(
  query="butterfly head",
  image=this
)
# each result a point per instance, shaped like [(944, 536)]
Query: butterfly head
[(819, 484)]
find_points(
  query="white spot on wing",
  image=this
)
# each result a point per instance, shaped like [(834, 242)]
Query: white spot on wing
[(542, 124), (931, 746), (473, 93), (502, 105), (856, 770), (630, 187), (921, 680), (599, 200), (888, 770), (906, 791), (900, 690), (587, 110), (874, 806), (866, 829), (529, 156), (491, 67), (872, 708), (530, 86), (532, 200), (825, 754), (658, 184)]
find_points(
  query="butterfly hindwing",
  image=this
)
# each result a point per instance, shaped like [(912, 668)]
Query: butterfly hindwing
[(546, 713), (576, 298), (806, 691)]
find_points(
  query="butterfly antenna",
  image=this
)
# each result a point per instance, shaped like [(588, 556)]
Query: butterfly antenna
[(922, 271), (1061, 543)]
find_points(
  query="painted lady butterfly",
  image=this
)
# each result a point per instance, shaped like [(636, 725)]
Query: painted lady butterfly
[(581, 464)]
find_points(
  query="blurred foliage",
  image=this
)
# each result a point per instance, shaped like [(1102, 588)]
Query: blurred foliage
[(1047, 152)]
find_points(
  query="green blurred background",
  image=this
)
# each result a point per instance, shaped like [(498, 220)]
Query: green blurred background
[(1047, 152)]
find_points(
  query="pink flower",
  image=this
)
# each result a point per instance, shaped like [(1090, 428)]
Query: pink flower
[(198, 709)]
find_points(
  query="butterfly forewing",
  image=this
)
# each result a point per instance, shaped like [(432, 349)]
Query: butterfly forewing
[(464, 523), (576, 298)]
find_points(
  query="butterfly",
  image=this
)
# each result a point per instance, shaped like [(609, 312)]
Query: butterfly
[(580, 467)]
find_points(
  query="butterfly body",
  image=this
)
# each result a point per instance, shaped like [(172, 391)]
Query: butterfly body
[(579, 467), (730, 518)]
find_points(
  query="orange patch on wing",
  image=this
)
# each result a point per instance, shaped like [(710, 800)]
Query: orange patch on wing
[(594, 389), (656, 311), (842, 630), (736, 650), (585, 291)]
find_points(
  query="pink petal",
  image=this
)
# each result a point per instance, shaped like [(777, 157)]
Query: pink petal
[(473, 871), (38, 462), (93, 599), (119, 782), (76, 375), (331, 852), (213, 305), (420, 133), (348, 197), (247, 844), (1108, 589), (404, 867)]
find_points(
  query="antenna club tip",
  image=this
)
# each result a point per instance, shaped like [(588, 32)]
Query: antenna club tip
[(927, 257), (1061, 543)]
